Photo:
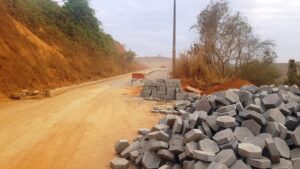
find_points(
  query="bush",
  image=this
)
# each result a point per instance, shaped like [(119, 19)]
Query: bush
[(192, 66), (259, 73)]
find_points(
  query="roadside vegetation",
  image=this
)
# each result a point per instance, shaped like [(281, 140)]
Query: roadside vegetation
[(227, 48), (66, 40), (293, 75), (75, 20)]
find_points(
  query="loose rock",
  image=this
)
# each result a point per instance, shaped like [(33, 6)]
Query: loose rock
[(249, 150), (209, 146), (119, 163), (150, 160), (121, 145), (259, 163)]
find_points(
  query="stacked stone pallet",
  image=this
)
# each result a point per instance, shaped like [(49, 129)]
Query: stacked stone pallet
[(164, 89), (251, 127)]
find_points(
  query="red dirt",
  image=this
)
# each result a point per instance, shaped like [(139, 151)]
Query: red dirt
[(234, 83), (45, 59)]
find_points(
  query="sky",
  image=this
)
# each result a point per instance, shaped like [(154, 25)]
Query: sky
[(145, 26)]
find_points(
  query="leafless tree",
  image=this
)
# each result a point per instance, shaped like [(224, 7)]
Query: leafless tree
[(227, 39)]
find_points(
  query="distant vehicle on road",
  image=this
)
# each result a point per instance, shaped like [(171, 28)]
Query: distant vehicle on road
[(136, 77)]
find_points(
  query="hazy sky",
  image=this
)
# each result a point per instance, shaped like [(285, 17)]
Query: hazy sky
[(145, 26)]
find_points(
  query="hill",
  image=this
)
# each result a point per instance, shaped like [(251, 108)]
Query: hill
[(44, 45), (155, 62)]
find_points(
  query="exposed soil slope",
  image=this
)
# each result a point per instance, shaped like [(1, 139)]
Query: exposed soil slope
[(40, 59)]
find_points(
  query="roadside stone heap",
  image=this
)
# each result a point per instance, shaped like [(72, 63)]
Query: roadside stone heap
[(27, 94), (250, 127), (163, 89)]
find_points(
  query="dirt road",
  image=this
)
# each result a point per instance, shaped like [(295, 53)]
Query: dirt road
[(75, 130)]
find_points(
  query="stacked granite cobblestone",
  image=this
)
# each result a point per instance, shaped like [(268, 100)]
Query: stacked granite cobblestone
[(164, 89), (251, 127)]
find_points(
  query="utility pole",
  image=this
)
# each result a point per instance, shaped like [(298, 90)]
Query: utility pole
[(174, 39)]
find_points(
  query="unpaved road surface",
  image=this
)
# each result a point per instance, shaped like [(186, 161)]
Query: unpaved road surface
[(75, 130)]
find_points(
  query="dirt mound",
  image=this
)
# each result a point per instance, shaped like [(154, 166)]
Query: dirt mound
[(234, 83)]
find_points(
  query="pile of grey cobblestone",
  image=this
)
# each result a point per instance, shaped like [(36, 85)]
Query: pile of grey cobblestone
[(251, 127), (163, 89)]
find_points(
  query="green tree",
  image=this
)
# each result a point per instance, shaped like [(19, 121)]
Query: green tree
[(82, 14)]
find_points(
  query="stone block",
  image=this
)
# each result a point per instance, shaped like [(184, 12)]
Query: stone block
[(296, 163), (119, 163), (183, 156), (252, 125), (157, 145), (190, 148), (273, 129), (227, 108), (273, 152), (160, 127), (239, 164), (212, 123), (283, 131), (194, 135), (232, 97), (256, 141), (134, 146), (249, 150), (166, 155), (224, 136), (254, 107), (193, 119), (221, 101), (121, 145), (239, 107), (226, 157), (257, 117), (295, 153), (259, 163), (203, 105), (241, 132), (177, 127), (207, 130), (176, 144), (143, 131), (231, 145), (226, 121), (282, 147), (296, 137), (159, 136), (292, 106), (201, 165), (133, 155), (203, 155), (283, 164), (214, 165), (209, 146), (275, 115), (291, 122), (151, 160), (189, 164), (271, 101), (166, 166)]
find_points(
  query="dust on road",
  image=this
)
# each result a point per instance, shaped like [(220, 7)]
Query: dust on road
[(75, 130)]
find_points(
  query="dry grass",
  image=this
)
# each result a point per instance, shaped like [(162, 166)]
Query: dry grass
[(194, 69)]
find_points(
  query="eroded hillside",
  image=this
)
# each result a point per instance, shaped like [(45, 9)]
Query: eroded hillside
[(42, 56)]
